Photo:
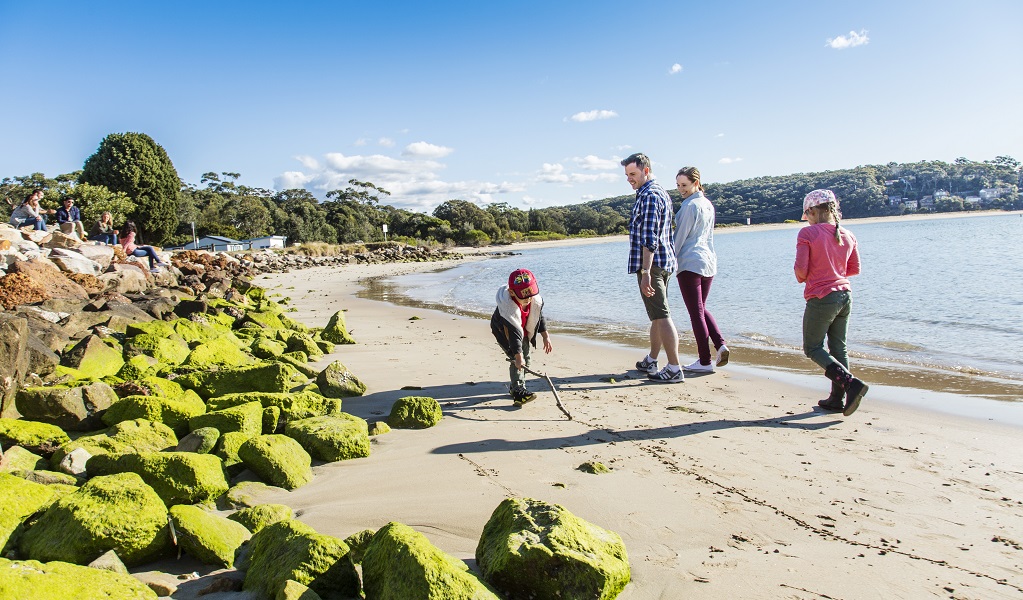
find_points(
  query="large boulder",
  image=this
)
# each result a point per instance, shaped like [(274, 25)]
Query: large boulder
[(40, 438), (293, 550), (54, 284), (116, 512), (533, 549), (332, 438), (71, 408), (217, 353), (300, 405), (273, 377), (101, 254), (336, 330), (127, 437), (166, 350), (124, 279), (177, 477), (336, 381), (201, 441), (62, 581), (172, 412), (209, 538), (401, 563), (257, 517), (14, 359), (19, 500), (245, 418), (245, 494), (278, 460), (18, 459), (74, 262), (94, 358), (414, 412)]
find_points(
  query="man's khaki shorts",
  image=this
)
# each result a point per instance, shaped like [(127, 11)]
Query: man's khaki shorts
[(656, 305)]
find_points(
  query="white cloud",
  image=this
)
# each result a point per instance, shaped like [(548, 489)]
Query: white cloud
[(855, 39), (720, 135), (728, 161), (290, 180), (308, 161), (386, 142), (593, 115), (675, 69), (426, 150), (361, 142), (556, 173), (552, 173), (529, 200), (587, 197), (594, 163)]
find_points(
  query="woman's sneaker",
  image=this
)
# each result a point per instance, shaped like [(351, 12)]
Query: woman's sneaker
[(696, 367), (722, 357), (666, 375), (647, 366)]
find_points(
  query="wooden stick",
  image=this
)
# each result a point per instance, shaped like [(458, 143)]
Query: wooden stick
[(557, 398)]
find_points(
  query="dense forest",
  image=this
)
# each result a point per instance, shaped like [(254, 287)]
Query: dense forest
[(133, 177)]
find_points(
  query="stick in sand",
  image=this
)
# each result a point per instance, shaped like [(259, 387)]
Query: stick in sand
[(557, 398)]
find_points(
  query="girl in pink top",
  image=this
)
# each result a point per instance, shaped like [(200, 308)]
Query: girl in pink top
[(826, 256), (128, 242)]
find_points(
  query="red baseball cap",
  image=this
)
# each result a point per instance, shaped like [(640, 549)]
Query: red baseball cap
[(522, 283)]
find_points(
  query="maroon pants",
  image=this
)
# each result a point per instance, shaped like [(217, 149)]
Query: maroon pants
[(695, 289)]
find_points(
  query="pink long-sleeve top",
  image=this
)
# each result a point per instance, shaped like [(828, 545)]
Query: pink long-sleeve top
[(821, 263), (128, 242)]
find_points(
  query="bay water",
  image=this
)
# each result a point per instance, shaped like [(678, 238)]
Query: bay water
[(942, 294)]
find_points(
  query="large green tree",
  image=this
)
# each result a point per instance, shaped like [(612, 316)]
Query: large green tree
[(134, 164)]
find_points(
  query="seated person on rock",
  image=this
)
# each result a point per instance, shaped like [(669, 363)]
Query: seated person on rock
[(128, 242), (70, 218), (29, 213), (103, 231)]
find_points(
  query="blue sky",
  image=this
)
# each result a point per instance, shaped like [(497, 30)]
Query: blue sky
[(527, 103)]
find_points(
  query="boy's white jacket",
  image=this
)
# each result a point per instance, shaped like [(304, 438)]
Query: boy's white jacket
[(509, 311)]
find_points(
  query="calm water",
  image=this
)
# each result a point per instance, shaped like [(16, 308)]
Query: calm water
[(946, 292)]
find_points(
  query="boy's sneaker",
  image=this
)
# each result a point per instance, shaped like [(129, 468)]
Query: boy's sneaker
[(647, 366), (696, 367), (520, 395), (666, 375), (722, 357)]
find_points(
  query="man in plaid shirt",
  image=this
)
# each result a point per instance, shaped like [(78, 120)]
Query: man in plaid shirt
[(652, 258)]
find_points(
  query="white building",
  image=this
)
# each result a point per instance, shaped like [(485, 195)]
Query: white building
[(216, 243), (267, 241)]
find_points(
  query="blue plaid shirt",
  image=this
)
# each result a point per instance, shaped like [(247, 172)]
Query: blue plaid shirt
[(650, 228)]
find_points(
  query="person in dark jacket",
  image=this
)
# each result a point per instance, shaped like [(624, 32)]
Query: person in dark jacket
[(516, 322)]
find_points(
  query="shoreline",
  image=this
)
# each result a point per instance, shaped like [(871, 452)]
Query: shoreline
[(728, 485)]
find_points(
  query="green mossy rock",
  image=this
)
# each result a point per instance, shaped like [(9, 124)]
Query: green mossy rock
[(306, 345), (116, 512), (278, 460), (109, 561), (209, 538), (273, 377), (271, 419), (19, 500), (127, 437), (166, 350), (325, 346), (40, 438), (336, 381), (227, 449), (94, 358), (414, 412), (300, 405), (379, 428), (178, 477), (30, 579), (217, 353), (17, 458), (46, 477), (73, 408), (245, 418), (336, 330), (298, 360), (401, 563), (533, 549), (293, 550), (163, 329), (172, 412), (195, 332), (294, 590), (161, 386), (137, 367), (265, 319), (266, 348), (358, 542), (245, 493), (257, 517), (201, 441), (332, 438)]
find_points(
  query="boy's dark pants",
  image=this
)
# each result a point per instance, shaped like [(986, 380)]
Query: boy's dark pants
[(517, 376)]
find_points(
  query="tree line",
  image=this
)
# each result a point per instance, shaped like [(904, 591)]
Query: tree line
[(132, 176)]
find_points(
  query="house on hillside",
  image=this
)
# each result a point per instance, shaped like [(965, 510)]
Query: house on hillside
[(216, 243), (989, 194), (267, 241)]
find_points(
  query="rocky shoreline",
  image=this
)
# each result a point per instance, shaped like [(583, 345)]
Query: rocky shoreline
[(142, 412)]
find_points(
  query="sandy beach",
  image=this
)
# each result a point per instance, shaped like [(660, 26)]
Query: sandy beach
[(730, 485)]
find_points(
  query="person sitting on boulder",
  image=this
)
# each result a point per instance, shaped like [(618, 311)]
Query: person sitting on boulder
[(29, 214), (70, 218), (103, 230), (128, 243)]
